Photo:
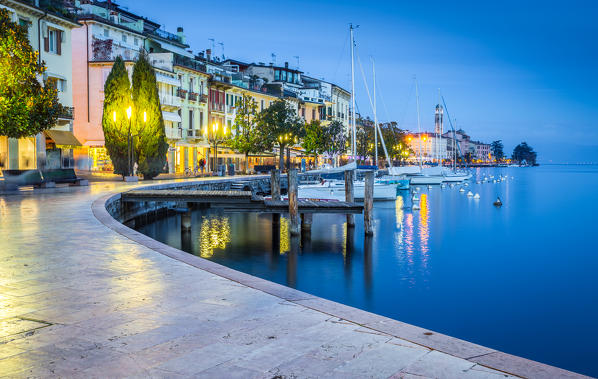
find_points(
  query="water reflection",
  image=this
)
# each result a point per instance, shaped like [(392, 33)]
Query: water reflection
[(214, 234)]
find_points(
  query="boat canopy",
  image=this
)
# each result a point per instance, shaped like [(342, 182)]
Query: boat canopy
[(334, 170), (403, 170)]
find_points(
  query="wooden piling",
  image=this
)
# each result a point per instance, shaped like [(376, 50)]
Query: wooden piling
[(368, 203), (275, 184), (306, 221), (186, 221), (275, 191), (293, 203), (350, 194)]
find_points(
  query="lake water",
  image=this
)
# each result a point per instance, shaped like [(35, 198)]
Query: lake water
[(522, 278)]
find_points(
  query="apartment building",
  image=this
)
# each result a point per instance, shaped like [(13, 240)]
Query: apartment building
[(50, 35)]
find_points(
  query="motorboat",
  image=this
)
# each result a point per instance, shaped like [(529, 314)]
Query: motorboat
[(456, 177)]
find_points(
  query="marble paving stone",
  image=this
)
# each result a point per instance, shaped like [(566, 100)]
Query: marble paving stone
[(439, 365)]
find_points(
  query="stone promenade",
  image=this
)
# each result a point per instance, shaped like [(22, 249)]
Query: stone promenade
[(80, 299)]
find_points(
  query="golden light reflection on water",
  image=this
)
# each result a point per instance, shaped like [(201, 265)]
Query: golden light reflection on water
[(285, 240), (214, 234), (424, 228)]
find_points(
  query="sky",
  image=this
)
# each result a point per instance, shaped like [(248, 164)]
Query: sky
[(509, 70)]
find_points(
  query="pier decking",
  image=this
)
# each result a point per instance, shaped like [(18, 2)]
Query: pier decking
[(240, 201)]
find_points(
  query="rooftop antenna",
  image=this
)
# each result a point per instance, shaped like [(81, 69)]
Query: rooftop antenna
[(222, 47), (273, 58), (297, 57)]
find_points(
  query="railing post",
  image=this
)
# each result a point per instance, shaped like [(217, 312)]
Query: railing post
[(350, 194), (368, 203), (293, 202)]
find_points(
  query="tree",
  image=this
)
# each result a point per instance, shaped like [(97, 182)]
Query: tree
[(26, 107), (497, 150), (335, 140), (523, 153), (280, 126), (148, 125), (246, 139), (115, 123), (314, 141)]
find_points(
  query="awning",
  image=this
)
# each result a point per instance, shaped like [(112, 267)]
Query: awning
[(94, 143), (167, 79), (63, 138), (171, 116)]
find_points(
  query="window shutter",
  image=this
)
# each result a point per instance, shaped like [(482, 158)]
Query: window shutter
[(46, 44), (58, 42)]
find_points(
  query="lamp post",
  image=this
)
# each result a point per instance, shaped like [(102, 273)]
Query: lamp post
[(129, 149)]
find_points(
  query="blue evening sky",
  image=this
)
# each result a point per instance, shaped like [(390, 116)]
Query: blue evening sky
[(510, 70)]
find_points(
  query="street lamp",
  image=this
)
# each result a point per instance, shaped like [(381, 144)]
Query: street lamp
[(129, 143)]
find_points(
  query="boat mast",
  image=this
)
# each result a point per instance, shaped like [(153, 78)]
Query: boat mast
[(419, 131), (375, 117), (353, 133)]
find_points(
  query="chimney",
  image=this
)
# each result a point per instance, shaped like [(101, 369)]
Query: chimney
[(179, 33), (286, 64), (208, 54), (200, 55)]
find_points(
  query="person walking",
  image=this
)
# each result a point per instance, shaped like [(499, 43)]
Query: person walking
[(202, 164)]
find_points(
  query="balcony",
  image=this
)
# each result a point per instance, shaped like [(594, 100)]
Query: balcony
[(230, 109), (173, 133), (169, 100), (198, 133), (193, 96), (180, 60), (189, 132), (217, 107), (182, 93), (203, 98)]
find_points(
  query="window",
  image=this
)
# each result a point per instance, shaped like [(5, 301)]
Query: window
[(106, 33), (200, 119), (284, 76), (277, 75), (135, 41), (124, 38), (313, 114), (24, 23), (190, 119), (191, 85)]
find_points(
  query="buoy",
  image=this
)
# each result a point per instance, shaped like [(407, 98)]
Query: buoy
[(429, 187), (462, 189), (415, 206), (416, 189), (497, 203), (478, 182), (414, 198), (466, 184), (476, 196), (469, 194)]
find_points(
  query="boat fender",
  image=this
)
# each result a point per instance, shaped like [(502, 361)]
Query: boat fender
[(462, 190), (469, 194), (476, 196)]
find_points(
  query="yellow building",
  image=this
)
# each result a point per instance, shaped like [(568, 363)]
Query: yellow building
[(50, 35)]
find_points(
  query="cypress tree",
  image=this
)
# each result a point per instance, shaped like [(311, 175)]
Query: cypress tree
[(150, 143), (117, 98)]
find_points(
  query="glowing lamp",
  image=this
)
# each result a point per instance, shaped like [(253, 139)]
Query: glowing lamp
[(129, 111)]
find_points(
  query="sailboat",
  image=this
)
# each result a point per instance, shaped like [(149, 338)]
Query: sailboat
[(335, 189)]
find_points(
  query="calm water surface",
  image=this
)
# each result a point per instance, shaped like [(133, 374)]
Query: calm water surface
[(521, 279)]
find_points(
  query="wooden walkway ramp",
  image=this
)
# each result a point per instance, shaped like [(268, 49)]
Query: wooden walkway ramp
[(239, 201)]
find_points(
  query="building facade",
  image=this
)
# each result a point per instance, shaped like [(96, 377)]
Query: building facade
[(50, 35)]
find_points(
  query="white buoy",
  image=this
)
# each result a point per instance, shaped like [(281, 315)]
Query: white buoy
[(476, 196), (429, 187), (417, 189), (462, 189), (478, 182), (415, 206), (497, 203), (469, 194), (414, 198), (466, 184)]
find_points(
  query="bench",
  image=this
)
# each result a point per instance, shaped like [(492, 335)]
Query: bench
[(63, 175), (18, 178)]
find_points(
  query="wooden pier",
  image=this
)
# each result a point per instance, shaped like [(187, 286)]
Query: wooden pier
[(240, 201)]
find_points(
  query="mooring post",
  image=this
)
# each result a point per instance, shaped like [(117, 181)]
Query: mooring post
[(350, 194), (306, 220), (275, 191), (368, 203), (186, 221), (293, 203)]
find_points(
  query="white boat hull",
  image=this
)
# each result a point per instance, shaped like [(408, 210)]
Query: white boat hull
[(336, 191), (425, 179)]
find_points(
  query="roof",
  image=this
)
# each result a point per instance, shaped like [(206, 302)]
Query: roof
[(31, 7)]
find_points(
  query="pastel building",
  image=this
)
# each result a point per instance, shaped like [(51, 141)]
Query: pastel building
[(50, 35)]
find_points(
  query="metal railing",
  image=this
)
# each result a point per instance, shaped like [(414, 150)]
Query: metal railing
[(67, 113), (181, 93), (193, 96), (166, 99), (218, 107), (173, 133)]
